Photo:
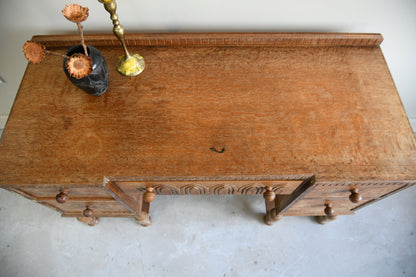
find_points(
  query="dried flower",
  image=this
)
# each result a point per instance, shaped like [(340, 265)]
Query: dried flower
[(75, 13), (79, 65), (34, 52)]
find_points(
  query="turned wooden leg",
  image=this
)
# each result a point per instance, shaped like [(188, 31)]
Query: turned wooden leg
[(271, 211), (91, 221), (271, 217), (322, 219), (89, 217), (329, 214), (144, 218)]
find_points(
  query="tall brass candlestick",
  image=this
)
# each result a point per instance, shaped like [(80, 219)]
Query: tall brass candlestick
[(128, 65)]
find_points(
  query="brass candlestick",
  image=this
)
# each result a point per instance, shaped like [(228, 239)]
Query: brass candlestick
[(128, 65)]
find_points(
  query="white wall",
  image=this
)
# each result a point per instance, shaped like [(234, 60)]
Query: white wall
[(396, 20)]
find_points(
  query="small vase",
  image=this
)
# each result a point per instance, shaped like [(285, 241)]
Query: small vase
[(97, 82)]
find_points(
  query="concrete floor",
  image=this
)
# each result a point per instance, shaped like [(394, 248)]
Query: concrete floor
[(209, 236)]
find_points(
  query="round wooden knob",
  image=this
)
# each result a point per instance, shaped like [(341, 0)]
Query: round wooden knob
[(62, 197), (88, 212), (269, 195), (355, 197), (329, 211), (149, 195)]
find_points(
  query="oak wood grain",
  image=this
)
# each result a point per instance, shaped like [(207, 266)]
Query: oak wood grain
[(333, 111), (284, 105)]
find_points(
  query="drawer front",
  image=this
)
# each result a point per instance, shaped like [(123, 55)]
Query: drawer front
[(77, 200), (315, 207), (338, 196), (100, 207), (51, 192), (343, 190), (211, 185)]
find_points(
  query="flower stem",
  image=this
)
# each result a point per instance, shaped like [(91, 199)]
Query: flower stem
[(56, 54), (82, 38)]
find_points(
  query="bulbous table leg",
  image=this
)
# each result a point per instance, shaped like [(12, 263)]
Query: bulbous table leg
[(144, 219), (89, 217), (271, 217), (323, 219), (91, 221), (329, 214), (271, 212)]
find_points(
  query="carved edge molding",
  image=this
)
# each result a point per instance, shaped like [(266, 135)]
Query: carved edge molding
[(208, 178), (366, 183), (219, 39), (40, 186), (226, 178)]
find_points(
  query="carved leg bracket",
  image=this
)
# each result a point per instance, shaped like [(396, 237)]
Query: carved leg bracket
[(276, 205)]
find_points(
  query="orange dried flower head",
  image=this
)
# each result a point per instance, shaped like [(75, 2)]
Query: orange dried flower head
[(34, 52), (75, 13), (79, 65)]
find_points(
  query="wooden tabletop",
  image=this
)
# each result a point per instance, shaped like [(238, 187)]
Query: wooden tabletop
[(213, 105)]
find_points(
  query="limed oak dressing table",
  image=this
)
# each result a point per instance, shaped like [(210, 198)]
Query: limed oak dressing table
[(313, 122)]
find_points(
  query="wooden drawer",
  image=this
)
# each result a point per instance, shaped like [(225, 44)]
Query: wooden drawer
[(101, 208), (338, 194), (368, 190), (96, 198), (315, 207), (51, 192)]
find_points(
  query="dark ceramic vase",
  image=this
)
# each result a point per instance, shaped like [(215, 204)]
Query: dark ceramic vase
[(97, 82)]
